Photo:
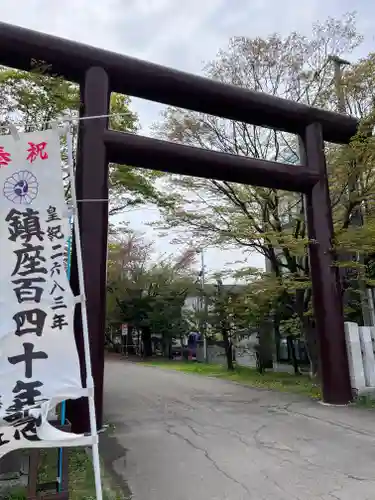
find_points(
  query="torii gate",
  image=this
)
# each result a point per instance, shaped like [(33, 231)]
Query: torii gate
[(99, 73)]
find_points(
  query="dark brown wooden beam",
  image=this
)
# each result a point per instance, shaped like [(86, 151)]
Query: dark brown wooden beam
[(92, 183), (327, 298), (166, 156), (18, 46)]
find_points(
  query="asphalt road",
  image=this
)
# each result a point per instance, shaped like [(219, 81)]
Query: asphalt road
[(185, 437)]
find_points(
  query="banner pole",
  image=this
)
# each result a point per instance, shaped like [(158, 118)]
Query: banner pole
[(63, 404), (85, 329)]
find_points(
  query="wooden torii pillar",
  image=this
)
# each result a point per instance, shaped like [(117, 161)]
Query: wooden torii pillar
[(92, 184)]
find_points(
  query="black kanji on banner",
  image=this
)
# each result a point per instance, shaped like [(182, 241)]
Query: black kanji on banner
[(28, 289), (30, 321), (24, 225), (28, 357), (28, 285)]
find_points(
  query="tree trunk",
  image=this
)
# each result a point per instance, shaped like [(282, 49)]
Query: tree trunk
[(228, 350), (276, 327), (109, 341), (182, 346), (266, 344), (168, 348), (147, 343), (309, 334), (129, 340), (292, 350), (312, 350), (259, 361), (139, 347)]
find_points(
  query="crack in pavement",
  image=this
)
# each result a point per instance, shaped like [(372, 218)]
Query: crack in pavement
[(275, 483), (340, 425), (170, 431), (273, 446), (358, 478), (231, 432)]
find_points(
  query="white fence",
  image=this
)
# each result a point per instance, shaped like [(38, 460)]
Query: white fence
[(244, 357), (360, 341)]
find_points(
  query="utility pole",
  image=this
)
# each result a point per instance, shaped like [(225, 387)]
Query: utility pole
[(338, 63), (365, 297), (204, 305), (224, 327)]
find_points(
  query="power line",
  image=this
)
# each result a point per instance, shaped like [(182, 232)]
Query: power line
[(70, 119)]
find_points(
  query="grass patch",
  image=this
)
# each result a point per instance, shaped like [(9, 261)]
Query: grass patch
[(17, 495), (365, 401), (278, 381), (81, 476)]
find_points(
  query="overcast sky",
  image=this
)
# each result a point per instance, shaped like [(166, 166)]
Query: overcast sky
[(181, 34)]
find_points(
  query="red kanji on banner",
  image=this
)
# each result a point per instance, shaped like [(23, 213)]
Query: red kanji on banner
[(5, 158), (37, 150)]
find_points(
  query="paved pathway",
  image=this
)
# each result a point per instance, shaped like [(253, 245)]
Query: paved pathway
[(185, 437)]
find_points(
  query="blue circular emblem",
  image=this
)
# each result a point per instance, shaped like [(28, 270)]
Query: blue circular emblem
[(21, 188)]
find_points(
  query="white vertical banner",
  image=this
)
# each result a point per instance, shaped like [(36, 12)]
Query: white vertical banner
[(39, 365)]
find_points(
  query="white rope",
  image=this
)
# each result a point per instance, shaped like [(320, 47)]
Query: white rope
[(67, 120), (70, 119)]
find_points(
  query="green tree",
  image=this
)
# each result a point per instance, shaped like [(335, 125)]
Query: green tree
[(270, 221), (148, 296), (32, 100), (222, 302)]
